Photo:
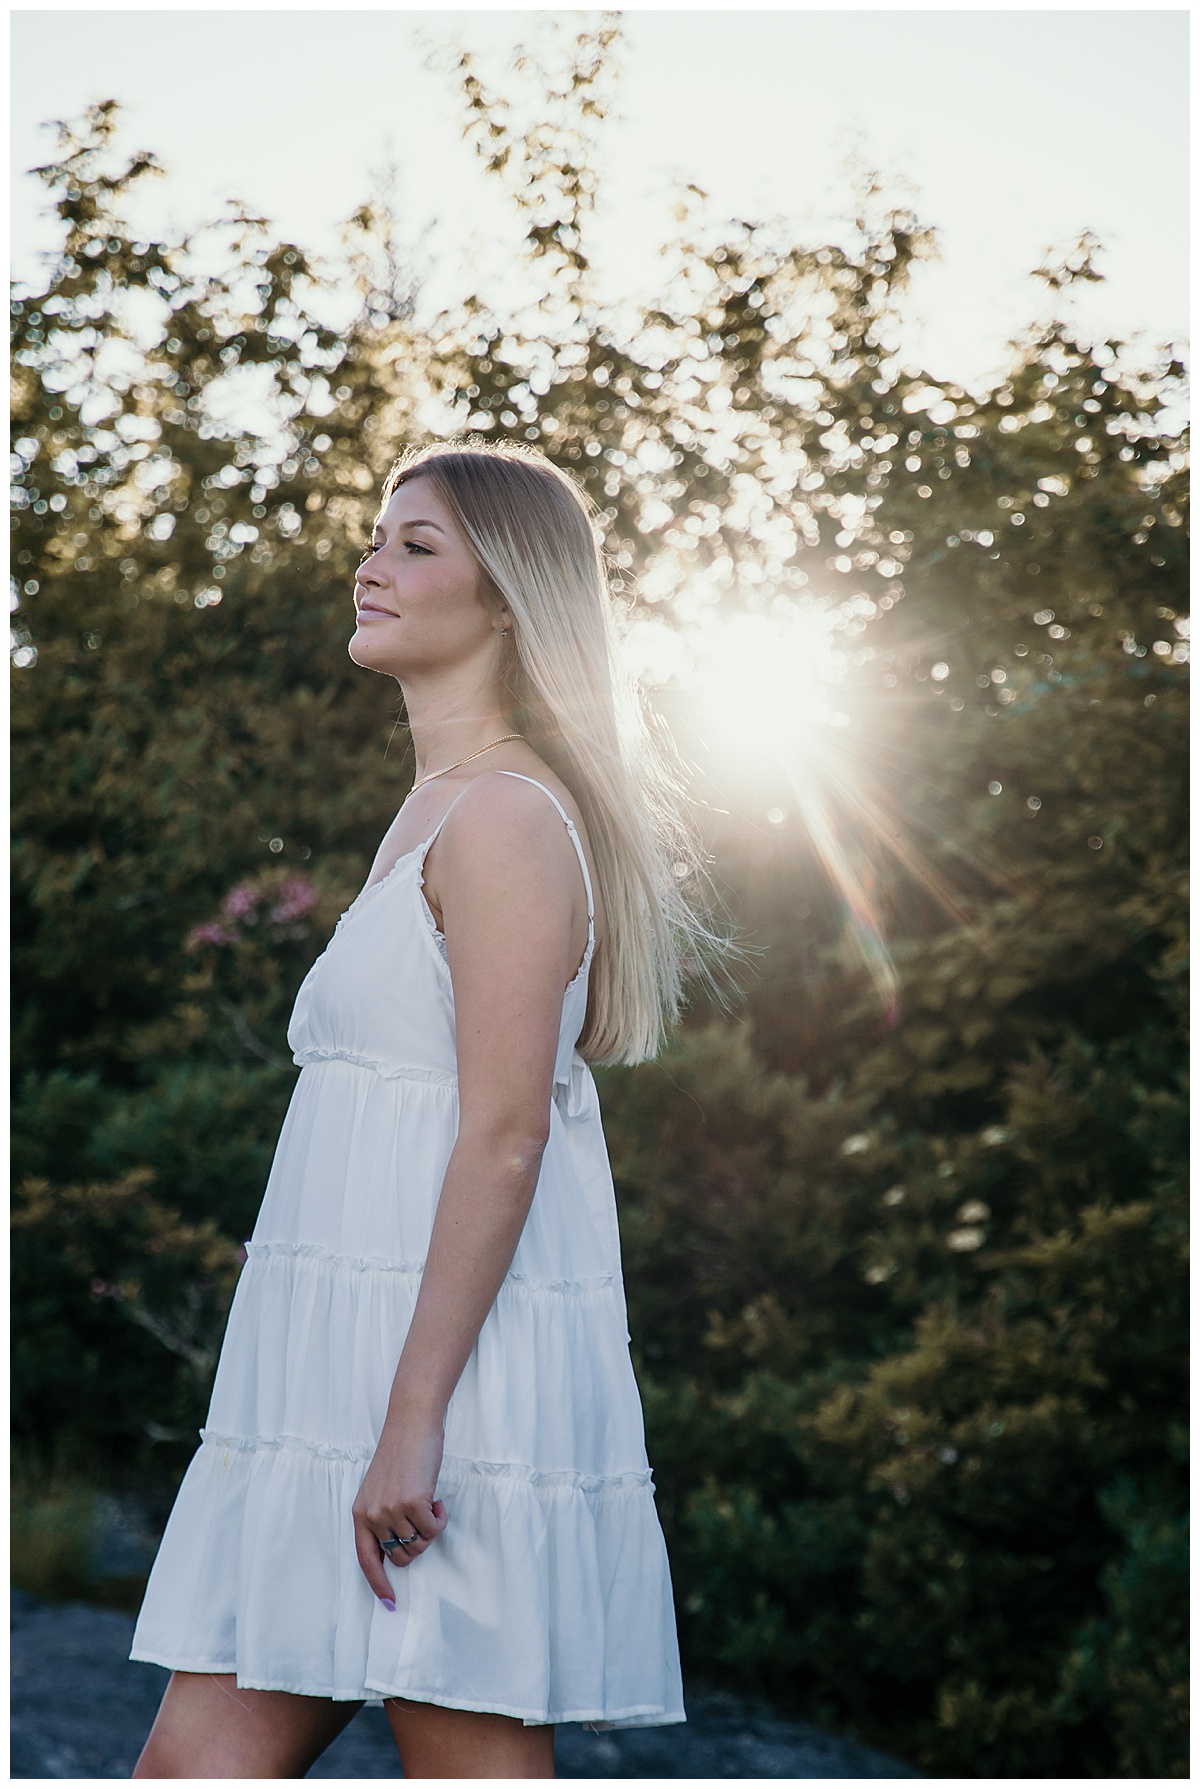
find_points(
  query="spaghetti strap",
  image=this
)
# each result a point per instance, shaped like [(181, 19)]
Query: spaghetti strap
[(433, 835), (570, 826)]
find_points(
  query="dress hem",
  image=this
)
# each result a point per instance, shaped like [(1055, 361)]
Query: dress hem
[(376, 1693)]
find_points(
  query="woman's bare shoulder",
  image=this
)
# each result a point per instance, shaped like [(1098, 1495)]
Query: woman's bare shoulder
[(500, 810), (500, 817)]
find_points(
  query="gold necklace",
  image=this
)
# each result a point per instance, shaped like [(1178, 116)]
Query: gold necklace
[(466, 760)]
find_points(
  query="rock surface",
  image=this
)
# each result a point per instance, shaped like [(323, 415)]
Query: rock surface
[(80, 1708)]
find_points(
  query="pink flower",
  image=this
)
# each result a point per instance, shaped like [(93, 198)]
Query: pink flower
[(212, 933), (241, 901), (296, 898)]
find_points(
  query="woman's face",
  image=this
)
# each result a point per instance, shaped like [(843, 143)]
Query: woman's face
[(417, 599)]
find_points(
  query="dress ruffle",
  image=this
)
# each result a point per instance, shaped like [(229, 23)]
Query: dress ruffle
[(314, 1336), (542, 1587)]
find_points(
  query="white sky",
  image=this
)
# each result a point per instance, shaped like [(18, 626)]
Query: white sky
[(1011, 131)]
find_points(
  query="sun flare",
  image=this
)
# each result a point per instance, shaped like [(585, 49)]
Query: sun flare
[(761, 695), (759, 689), (764, 686)]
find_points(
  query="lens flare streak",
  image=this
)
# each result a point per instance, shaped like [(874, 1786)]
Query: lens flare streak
[(862, 914)]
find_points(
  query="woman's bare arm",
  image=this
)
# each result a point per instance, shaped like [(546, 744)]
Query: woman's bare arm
[(512, 904)]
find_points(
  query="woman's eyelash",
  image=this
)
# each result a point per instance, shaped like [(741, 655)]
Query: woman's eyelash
[(373, 546)]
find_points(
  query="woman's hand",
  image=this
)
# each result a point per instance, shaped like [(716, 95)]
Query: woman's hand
[(396, 1497)]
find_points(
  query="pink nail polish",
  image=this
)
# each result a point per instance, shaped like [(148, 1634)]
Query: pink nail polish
[(388, 1604)]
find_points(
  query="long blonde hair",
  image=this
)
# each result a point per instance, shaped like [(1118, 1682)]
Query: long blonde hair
[(529, 527)]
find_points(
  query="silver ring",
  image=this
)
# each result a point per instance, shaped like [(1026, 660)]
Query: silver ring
[(395, 1541)]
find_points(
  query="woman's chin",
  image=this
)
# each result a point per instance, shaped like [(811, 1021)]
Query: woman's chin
[(364, 651)]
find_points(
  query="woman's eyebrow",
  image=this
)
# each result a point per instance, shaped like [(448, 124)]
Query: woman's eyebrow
[(406, 527)]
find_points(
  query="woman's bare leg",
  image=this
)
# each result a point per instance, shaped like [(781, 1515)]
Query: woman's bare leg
[(456, 1742), (207, 1727)]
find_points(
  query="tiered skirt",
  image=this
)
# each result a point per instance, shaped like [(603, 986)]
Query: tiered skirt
[(548, 1596)]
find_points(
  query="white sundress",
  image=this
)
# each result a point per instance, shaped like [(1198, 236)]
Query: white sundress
[(548, 1595)]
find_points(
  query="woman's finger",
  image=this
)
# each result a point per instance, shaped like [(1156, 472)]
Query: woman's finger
[(425, 1520), (417, 1537), (402, 1552), (407, 1539), (366, 1545), (415, 1531)]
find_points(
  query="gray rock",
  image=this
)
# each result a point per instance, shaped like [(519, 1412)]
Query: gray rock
[(79, 1708), (98, 1728), (724, 1736)]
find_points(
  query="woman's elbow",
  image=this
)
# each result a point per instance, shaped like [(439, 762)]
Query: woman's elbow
[(515, 1145), (520, 1149)]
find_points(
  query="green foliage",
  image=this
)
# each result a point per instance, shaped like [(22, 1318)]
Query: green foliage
[(1133, 1659), (142, 1264), (923, 1541), (56, 1527), (51, 1532), (906, 1288)]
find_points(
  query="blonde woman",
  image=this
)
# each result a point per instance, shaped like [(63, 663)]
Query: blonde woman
[(423, 1479)]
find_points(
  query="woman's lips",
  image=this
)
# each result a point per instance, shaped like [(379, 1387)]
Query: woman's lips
[(374, 609)]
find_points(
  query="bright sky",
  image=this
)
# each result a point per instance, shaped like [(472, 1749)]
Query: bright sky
[(1010, 131)]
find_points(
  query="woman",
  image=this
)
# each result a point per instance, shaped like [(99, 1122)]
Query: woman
[(423, 1479)]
